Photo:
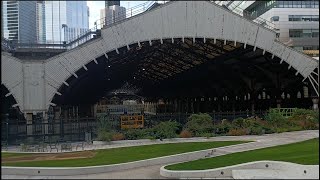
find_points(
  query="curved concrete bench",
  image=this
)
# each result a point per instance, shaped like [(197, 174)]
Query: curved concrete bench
[(251, 170)]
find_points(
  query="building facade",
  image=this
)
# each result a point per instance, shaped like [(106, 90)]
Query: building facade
[(41, 28), (65, 20), (112, 3), (19, 21), (112, 14), (296, 22)]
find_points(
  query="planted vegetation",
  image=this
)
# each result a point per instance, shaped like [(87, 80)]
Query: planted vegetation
[(202, 125)]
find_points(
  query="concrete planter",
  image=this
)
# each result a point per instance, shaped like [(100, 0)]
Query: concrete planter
[(251, 170), (101, 143)]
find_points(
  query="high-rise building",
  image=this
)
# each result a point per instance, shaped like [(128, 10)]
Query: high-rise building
[(296, 22), (41, 26), (19, 21), (112, 3), (64, 20), (112, 14)]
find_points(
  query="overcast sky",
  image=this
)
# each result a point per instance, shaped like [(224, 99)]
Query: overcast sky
[(95, 6)]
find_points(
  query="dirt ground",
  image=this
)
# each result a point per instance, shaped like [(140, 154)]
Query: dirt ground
[(56, 156)]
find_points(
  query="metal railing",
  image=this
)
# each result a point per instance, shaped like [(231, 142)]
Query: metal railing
[(105, 23), (7, 45), (83, 37), (286, 112), (261, 21)]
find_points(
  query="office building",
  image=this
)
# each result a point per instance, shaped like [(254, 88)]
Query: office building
[(19, 21), (112, 13), (296, 22), (112, 3), (41, 28), (64, 20)]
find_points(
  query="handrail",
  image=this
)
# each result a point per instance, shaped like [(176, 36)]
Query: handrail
[(259, 20), (85, 36), (120, 17)]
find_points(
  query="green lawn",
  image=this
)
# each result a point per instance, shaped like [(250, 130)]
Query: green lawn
[(6, 154), (306, 152), (126, 154)]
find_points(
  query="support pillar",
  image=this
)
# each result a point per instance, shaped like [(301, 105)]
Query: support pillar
[(57, 117), (315, 103), (45, 130), (252, 107), (192, 109), (278, 103), (29, 126)]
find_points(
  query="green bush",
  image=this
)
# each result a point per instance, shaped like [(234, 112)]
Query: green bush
[(166, 129), (275, 118), (104, 136), (238, 123), (133, 134), (257, 130), (207, 135), (199, 123), (223, 128), (305, 118)]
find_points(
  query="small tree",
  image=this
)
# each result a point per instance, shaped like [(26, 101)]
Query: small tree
[(104, 128), (199, 124), (238, 123), (166, 129), (275, 118)]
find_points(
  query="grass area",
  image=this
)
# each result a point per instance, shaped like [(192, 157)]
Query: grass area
[(306, 152), (6, 154), (125, 154)]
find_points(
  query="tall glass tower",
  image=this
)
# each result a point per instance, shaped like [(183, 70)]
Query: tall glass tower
[(65, 20), (19, 21)]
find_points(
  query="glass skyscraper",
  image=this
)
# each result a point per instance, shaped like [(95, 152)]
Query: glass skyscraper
[(19, 21), (65, 20)]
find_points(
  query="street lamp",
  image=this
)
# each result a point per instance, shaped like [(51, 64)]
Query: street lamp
[(64, 26)]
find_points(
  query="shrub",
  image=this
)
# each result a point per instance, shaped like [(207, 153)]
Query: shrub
[(307, 119), (257, 130), (133, 134), (268, 130), (223, 127), (295, 128), (207, 135), (238, 123), (237, 132), (118, 136), (185, 134), (104, 136), (275, 118), (166, 129), (199, 123)]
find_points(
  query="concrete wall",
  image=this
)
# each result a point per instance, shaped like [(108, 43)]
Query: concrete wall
[(176, 19), (266, 169)]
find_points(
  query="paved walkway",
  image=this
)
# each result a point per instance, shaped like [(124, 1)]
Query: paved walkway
[(152, 172)]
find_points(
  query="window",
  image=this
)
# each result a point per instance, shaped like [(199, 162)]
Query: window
[(315, 18), (304, 33), (315, 33), (280, 4), (306, 18), (275, 18), (303, 18), (296, 4)]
